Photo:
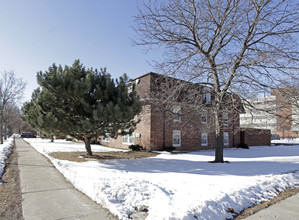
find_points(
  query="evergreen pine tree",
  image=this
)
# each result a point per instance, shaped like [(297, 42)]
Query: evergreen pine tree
[(36, 118), (86, 103)]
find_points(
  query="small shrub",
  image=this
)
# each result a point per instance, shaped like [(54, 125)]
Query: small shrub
[(68, 139), (135, 147), (94, 142), (243, 145), (169, 149)]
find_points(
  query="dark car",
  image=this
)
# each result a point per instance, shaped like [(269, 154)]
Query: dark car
[(275, 137), (27, 135)]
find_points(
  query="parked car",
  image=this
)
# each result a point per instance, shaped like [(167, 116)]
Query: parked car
[(275, 137), (27, 135)]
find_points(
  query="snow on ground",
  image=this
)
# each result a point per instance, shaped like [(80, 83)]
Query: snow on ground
[(182, 186), (59, 145), (286, 141), (5, 150)]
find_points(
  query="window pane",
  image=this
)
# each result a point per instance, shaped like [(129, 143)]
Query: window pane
[(176, 113), (225, 118), (106, 138), (125, 139), (225, 138), (131, 139), (204, 117), (206, 98), (204, 139), (176, 138)]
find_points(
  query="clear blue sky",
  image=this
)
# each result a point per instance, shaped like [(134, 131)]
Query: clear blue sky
[(34, 34)]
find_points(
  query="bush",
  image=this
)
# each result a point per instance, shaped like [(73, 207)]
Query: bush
[(94, 142), (169, 149), (243, 145), (136, 147), (69, 139)]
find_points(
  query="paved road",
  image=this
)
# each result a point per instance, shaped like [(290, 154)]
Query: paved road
[(287, 209), (47, 195)]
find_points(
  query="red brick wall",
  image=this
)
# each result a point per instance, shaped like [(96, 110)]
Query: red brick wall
[(257, 137), (190, 127), (143, 128), (157, 125), (284, 111)]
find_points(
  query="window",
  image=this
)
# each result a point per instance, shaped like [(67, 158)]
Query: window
[(225, 138), (176, 138), (204, 117), (129, 139), (106, 138), (207, 98), (204, 139), (176, 113), (225, 119)]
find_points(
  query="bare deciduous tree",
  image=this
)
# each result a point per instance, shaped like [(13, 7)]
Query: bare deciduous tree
[(232, 46), (11, 90), (12, 119)]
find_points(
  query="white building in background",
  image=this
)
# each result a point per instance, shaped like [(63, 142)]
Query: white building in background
[(295, 113), (261, 115), (278, 112)]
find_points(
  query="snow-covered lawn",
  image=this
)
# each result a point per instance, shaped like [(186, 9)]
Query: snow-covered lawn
[(181, 186), (286, 141), (5, 150), (46, 146)]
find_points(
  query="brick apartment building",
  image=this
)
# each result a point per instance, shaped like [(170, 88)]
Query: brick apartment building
[(185, 122), (281, 115)]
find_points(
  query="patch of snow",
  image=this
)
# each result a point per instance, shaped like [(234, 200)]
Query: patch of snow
[(46, 146), (5, 151), (286, 141), (182, 186)]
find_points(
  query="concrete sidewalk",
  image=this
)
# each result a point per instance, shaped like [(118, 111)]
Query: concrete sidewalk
[(47, 195), (285, 209)]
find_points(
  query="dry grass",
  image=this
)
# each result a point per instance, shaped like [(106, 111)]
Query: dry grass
[(10, 190), (82, 157)]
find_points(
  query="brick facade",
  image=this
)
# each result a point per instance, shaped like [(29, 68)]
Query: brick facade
[(255, 137), (286, 112), (281, 115), (158, 126)]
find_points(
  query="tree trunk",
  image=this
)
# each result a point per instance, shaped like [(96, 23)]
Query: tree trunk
[(219, 139), (87, 146), (1, 128), (52, 138), (5, 132)]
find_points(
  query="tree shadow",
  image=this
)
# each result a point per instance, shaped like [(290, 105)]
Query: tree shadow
[(236, 168)]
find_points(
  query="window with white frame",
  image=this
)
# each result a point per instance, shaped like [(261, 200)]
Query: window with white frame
[(206, 98), (225, 138), (204, 139), (204, 117), (176, 138), (225, 119), (176, 113), (129, 139), (106, 138)]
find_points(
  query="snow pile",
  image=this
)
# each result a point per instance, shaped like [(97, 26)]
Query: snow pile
[(5, 150), (184, 186)]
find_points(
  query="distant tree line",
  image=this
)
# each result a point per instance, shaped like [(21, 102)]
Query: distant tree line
[(11, 92)]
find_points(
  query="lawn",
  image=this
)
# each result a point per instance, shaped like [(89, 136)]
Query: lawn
[(97, 156), (180, 186)]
